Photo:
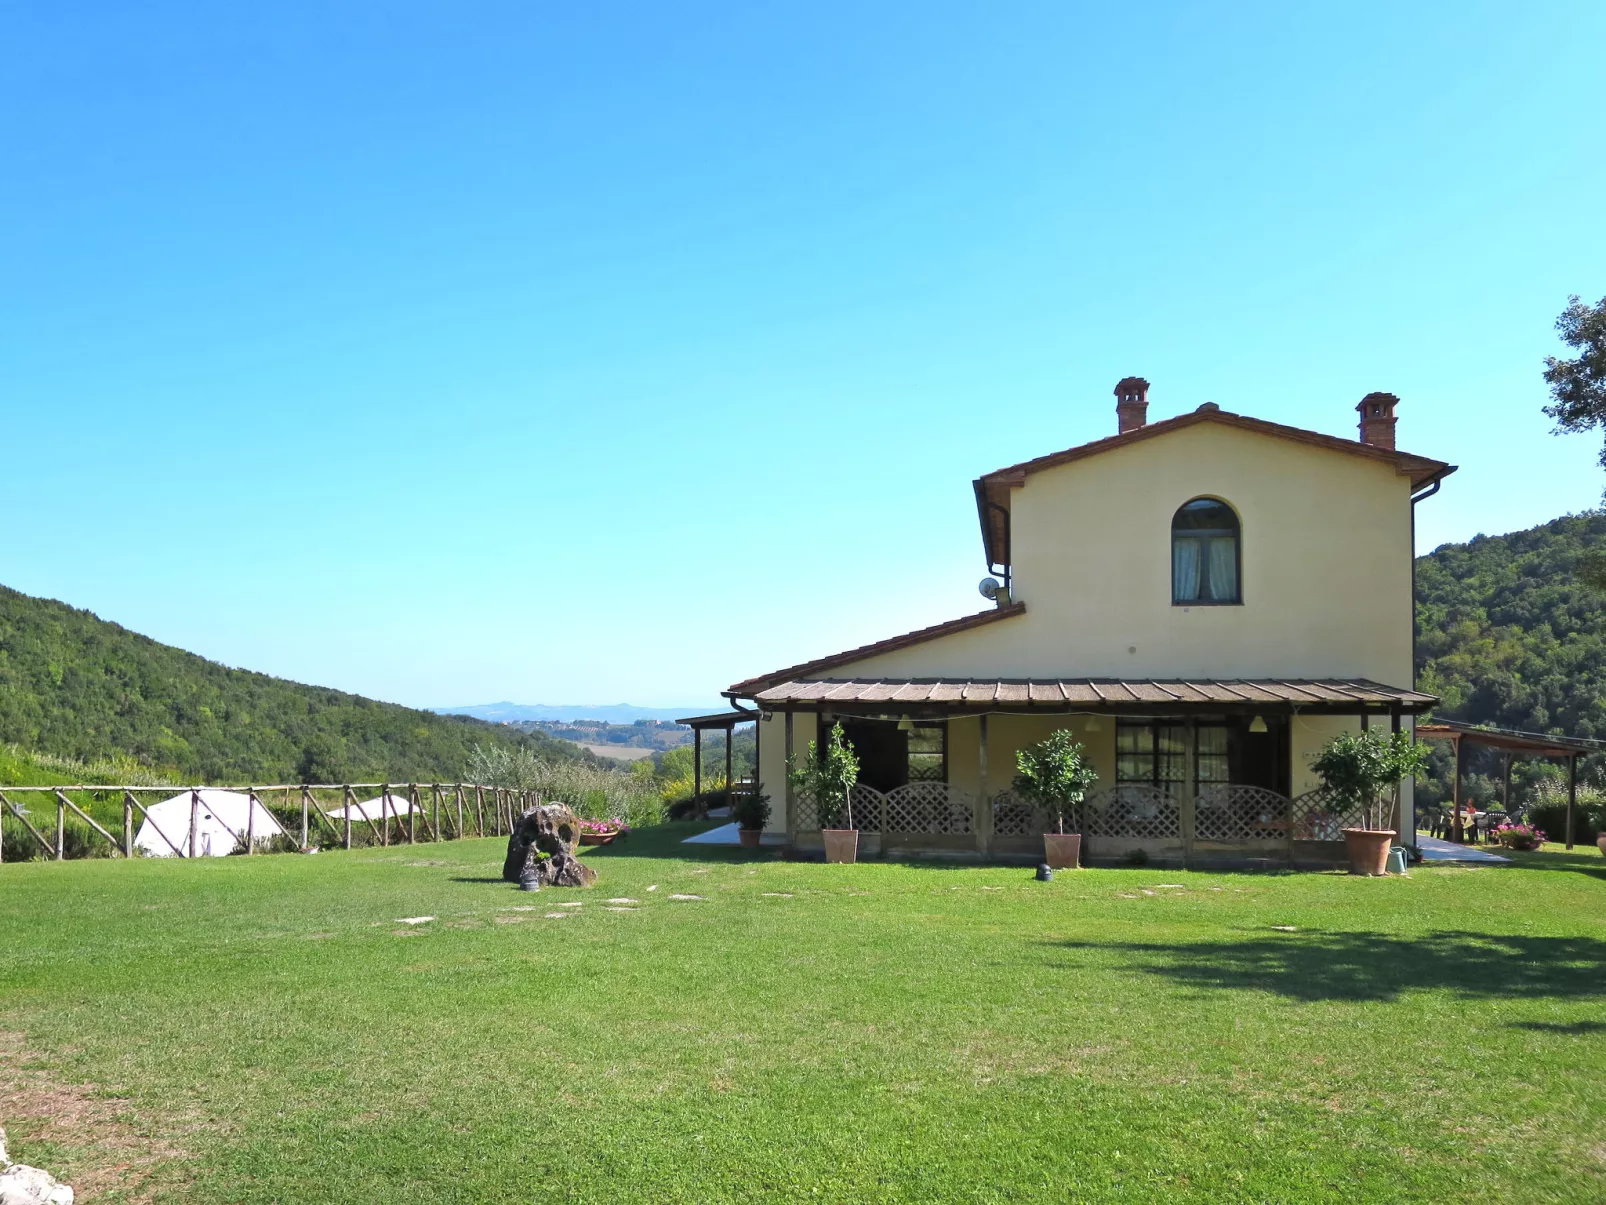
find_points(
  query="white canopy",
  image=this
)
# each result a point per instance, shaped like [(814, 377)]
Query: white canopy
[(377, 809), (221, 823)]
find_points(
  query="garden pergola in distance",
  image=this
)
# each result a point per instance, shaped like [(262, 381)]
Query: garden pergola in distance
[(1511, 743), (726, 720)]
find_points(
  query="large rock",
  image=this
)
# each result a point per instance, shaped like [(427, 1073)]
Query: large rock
[(541, 849), (24, 1185)]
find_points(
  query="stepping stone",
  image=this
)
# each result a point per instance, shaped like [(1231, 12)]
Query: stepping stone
[(678, 896), (558, 915), (780, 895), (1285, 928), (623, 900), (621, 909), (572, 904), (413, 920)]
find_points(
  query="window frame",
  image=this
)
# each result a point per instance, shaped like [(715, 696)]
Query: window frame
[(1204, 536)]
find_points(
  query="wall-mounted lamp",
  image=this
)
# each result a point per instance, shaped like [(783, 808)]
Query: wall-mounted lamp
[(1258, 724), (905, 724)]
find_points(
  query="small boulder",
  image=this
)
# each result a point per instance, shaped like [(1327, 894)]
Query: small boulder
[(24, 1185), (541, 850)]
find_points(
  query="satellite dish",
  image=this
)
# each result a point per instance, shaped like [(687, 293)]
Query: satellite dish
[(989, 587)]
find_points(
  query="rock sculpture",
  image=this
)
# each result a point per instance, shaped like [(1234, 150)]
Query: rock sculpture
[(540, 850), (24, 1185)]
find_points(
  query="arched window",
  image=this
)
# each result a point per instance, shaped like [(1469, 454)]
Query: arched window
[(1204, 554)]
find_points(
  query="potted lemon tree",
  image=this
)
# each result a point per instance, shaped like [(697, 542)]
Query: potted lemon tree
[(1054, 776), (1359, 769), (828, 777)]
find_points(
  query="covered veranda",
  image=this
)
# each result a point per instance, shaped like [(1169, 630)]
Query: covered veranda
[(1191, 771), (722, 721), (1510, 743)]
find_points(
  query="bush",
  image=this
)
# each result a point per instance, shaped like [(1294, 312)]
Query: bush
[(1552, 817), (751, 811), (594, 792)]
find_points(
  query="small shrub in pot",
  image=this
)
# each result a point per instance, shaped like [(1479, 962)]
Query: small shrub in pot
[(1054, 775)]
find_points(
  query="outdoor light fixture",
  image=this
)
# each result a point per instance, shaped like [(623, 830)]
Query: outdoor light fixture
[(1258, 724), (905, 724)]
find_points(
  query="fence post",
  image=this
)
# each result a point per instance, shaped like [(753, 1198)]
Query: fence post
[(305, 807), (195, 818), (435, 807), (459, 793), (479, 811), (412, 813), (61, 830), (348, 797), (250, 820), (128, 826)]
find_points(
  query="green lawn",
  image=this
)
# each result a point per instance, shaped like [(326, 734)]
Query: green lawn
[(869, 1033)]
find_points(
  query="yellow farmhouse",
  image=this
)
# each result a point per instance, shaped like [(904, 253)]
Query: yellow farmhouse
[(1203, 601)]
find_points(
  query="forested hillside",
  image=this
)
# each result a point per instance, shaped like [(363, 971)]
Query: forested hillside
[(78, 687), (1509, 635)]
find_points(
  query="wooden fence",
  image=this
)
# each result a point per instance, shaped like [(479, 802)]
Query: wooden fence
[(443, 811)]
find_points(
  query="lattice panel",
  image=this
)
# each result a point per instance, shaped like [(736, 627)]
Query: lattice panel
[(1229, 812), (1014, 816), (1134, 811), (927, 807), (1317, 816)]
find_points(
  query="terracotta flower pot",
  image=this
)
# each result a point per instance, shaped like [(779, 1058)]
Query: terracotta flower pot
[(1600, 841), (1368, 849), (750, 837), (1063, 851), (841, 844)]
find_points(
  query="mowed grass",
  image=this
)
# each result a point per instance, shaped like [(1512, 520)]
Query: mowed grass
[(871, 1033)]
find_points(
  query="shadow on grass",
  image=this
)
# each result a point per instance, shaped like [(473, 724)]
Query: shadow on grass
[(476, 878), (1578, 862), (1378, 966), (1568, 1027)]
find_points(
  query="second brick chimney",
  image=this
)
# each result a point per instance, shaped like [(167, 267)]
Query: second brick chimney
[(1377, 419), (1131, 403)]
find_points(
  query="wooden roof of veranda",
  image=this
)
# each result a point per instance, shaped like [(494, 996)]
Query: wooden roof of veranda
[(1537, 744), (1144, 696)]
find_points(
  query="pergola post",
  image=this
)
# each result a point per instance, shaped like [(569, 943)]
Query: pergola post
[(1572, 795), (791, 806), (1457, 829), (983, 822), (730, 783), (697, 764)]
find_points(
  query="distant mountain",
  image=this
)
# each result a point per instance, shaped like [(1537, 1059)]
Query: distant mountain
[(75, 686), (568, 713)]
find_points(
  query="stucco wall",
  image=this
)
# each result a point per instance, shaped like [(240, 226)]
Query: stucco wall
[(1326, 551)]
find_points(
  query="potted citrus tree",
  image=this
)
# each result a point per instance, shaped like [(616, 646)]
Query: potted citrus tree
[(828, 777), (751, 812), (1054, 776), (1359, 769)]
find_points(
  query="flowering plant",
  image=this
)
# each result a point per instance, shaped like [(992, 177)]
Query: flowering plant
[(1519, 836), (611, 825)]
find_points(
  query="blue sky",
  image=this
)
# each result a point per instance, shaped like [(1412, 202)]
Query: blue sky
[(452, 353)]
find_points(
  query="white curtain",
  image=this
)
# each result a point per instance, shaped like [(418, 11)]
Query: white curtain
[(1224, 570), (1185, 570)]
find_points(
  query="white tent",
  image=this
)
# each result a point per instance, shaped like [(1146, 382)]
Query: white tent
[(378, 809), (221, 823)]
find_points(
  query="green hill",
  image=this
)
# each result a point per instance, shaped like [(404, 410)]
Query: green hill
[(75, 686), (1507, 634)]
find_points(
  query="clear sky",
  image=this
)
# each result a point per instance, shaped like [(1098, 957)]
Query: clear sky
[(474, 351)]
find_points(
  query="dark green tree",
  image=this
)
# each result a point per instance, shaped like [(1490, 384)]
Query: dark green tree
[(1578, 386)]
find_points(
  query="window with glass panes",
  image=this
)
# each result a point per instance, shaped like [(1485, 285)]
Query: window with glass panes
[(928, 753), (1151, 752), (1210, 761)]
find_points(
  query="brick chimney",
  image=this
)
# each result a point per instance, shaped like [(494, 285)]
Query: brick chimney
[(1131, 403), (1377, 419)]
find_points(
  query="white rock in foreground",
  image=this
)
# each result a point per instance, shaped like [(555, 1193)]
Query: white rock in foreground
[(24, 1185)]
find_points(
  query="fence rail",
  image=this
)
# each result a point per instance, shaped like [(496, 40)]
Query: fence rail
[(448, 812)]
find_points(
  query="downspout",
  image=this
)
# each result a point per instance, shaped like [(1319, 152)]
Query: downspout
[(1008, 551), (1455, 804)]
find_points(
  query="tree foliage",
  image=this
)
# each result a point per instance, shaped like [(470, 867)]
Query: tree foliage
[(1360, 767), (1055, 775), (828, 777), (1578, 386), (1510, 634), (75, 686)]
